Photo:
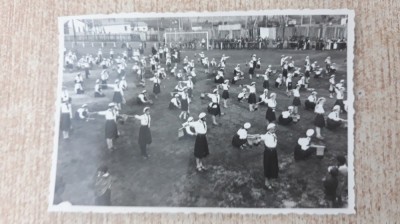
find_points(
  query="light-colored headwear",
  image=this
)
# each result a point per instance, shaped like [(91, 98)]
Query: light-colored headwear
[(332, 76), (117, 80), (144, 91), (146, 109), (247, 125), (269, 66), (111, 105), (215, 90), (272, 94), (290, 108), (226, 81), (84, 105), (202, 115), (176, 95), (270, 126), (310, 132), (314, 93), (190, 119), (253, 83), (97, 80), (342, 80)]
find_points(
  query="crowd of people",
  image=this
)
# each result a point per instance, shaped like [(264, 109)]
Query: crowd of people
[(166, 61)]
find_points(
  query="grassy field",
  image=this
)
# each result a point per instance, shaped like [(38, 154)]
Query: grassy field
[(168, 178)]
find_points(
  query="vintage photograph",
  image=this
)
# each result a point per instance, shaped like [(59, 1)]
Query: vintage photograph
[(205, 112)]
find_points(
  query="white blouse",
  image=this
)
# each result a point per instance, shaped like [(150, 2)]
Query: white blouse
[(252, 89), (242, 133), (271, 103), (214, 98), (145, 119), (225, 86), (270, 140), (319, 109), (199, 126), (334, 116)]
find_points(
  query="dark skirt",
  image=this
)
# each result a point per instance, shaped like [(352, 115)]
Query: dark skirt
[(214, 111), (319, 121), (144, 135), (270, 162), (104, 84), (219, 81), (266, 84), (237, 142), (225, 94), (153, 67), (307, 74), (300, 154), (296, 101), (156, 88), (341, 104), (105, 199), (284, 73), (289, 86), (111, 129), (201, 147), (184, 105), (190, 92), (309, 105), (285, 121), (258, 66), (65, 124), (251, 71), (117, 98), (270, 115), (332, 124), (252, 98)]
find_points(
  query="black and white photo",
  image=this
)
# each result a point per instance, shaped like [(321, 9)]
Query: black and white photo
[(231, 112)]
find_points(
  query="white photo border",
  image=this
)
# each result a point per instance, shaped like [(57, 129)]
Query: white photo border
[(202, 210)]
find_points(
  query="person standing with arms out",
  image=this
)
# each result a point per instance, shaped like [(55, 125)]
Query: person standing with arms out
[(270, 160), (184, 104), (66, 116), (225, 94), (270, 114), (201, 145), (102, 187), (266, 77), (289, 85), (157, 85), (328, 65), (111, 130), (144, 132), (319, 120), (331, 86), (296, 100), (252, 99), (339, 98), (118, 97), (251, 69), (214, 108), (104, 78)]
